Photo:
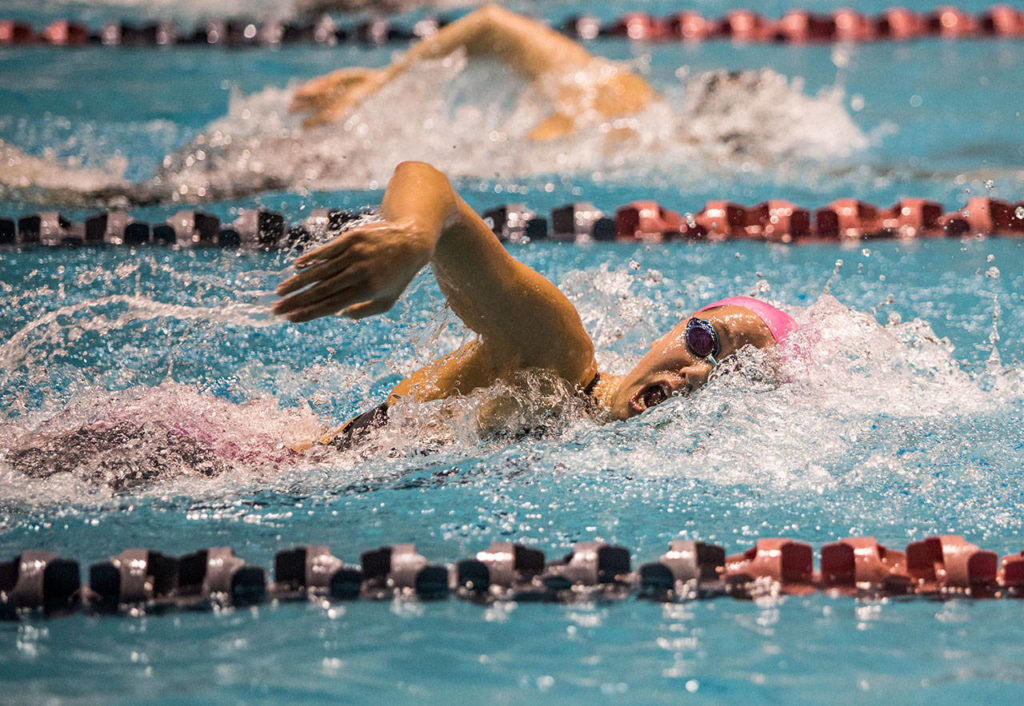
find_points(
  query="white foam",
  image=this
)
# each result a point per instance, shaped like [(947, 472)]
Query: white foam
[(471, 120), (51, 178)]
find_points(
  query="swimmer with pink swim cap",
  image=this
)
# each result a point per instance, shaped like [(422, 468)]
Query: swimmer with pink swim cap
[(522, 321), (682, 360)]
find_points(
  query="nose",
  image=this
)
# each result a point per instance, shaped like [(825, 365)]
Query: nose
[(695, 376)]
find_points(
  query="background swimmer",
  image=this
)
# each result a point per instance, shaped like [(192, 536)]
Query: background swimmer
[(522, 321), (451, 101), (526, 46)]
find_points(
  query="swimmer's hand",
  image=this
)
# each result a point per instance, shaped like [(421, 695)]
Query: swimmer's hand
[(327, 98), (360, 273)]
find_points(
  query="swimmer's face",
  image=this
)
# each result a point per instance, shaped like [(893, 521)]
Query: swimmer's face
[(671, 368)]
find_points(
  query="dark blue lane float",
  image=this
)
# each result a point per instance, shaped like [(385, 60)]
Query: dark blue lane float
[(796, 26), (772, 221), (145, 581)]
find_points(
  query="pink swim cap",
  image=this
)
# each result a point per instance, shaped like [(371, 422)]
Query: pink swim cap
[(778, 322)]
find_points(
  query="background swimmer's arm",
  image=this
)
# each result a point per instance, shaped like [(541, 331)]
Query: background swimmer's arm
[(525, 45), (523, 320)]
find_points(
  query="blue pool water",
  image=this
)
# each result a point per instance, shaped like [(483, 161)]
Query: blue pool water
[(904, 422)]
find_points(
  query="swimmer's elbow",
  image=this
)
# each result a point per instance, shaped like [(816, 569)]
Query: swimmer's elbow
[(426, 174), (411, 165)]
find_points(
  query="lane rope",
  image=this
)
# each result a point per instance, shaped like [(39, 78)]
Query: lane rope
[(794, 27), (141, 581), (773, 221)]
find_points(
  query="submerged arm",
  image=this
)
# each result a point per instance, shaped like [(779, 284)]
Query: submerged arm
[(522, 319)]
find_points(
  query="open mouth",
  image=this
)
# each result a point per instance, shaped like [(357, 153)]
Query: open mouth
[(649, 396)]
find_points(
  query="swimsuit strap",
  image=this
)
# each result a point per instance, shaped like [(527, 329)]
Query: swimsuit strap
[(778, 322), (586, 394)]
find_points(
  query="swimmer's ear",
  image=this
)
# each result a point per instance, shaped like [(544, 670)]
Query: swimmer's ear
[(552, 127)]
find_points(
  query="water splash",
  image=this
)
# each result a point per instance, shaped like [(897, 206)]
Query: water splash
[(472, 120), (51, 178), (472, 126), (860, 405)]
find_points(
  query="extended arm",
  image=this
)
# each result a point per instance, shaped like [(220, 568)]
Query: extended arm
[(523, 44), (522, 319)]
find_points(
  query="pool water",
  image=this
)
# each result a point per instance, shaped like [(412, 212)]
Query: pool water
[(902, 421)]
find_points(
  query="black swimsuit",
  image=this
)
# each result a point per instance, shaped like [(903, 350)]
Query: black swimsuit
[(362, 426)]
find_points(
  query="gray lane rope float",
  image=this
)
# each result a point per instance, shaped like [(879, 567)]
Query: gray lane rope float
[(795, 26), (136, 581), (770, 221)]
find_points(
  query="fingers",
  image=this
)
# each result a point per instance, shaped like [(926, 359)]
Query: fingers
[(370, 308), (333, 110), (317, 273), (325, 307), (317, 91), (348, 282), (342, 243), (332, 249), (342, 301)]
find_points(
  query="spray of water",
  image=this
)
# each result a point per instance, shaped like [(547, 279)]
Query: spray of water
[(471, 119), (852, 407)]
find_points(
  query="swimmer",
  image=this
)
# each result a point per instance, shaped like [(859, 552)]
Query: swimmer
[(529, 47), (522, 321)]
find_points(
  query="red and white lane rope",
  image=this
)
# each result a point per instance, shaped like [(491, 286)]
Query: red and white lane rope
[(774, 221), (137, 581), (795, 27)]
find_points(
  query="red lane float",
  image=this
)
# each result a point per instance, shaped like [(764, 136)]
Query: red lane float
[(900, 24), (949, 564), (66, 34), (914, 218), (1011, 575), (1002, 21), (771, 566), (747, 26), (862, 565), (690, 26), (951, 22), (639, 26), (722, 220), (646, 220), (16, 32), (801, 26), (852, 26)]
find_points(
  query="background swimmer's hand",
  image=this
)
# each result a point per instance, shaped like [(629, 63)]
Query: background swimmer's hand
[(329, 97), (360, 273)]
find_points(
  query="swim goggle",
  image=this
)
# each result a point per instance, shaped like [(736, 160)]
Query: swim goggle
[(702, 340)]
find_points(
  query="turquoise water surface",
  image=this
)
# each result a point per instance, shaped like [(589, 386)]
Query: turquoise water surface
[(903, 421)]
